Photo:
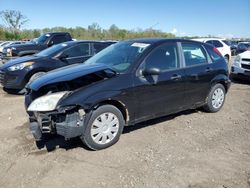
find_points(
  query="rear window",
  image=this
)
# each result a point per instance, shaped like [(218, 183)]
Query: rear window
[(213, 54)]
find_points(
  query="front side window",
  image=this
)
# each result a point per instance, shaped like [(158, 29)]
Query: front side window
[(164, 58), (193, 54), (78, 50)]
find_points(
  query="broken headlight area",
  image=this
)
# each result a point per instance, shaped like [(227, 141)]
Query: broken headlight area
[(68, 122), (46, 102)]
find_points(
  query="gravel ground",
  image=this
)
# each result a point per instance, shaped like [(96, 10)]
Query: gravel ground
[(190, 149)]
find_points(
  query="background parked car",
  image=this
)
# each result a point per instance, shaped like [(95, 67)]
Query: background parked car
[(223, 48), (241, 66), (32, 47), (242, 47), (9, 43), (15, 74), (233, 46)]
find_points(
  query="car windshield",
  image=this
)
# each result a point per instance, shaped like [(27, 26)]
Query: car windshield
[(54, 49), (119, 56), (42, 39)]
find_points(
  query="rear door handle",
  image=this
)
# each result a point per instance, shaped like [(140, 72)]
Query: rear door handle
[(176, 77), (208, 69)]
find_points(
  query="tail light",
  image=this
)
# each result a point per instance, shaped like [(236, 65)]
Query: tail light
[(217, 51)]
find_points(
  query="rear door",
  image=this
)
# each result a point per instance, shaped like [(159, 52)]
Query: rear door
[(199, 72), (78, 53), (164, 93)]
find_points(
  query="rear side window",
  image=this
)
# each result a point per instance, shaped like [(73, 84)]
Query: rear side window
[(210, 42), (164, 58), (194, 54), (78, 50), (58, 39), (98, 47), (217, 44)]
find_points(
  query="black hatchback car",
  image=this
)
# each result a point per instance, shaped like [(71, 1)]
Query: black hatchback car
[(126, 83), (15, 74)]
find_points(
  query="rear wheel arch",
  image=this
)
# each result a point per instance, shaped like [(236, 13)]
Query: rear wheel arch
[(222, 82), (220, 79)]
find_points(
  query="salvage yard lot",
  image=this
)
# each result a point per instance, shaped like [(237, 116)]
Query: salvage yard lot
[(189, 149)]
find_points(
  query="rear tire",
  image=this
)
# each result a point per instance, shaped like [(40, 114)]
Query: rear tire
[(215, 99), (226, 57), (103, 128)]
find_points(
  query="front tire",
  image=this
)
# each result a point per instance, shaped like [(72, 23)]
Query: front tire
[(36, 75), (104, 127), (216, 98)]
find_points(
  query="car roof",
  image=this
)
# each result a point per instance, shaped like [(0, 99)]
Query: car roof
[(205, 39), (73, 42), (53, 33), (159, 40), (244, 42)]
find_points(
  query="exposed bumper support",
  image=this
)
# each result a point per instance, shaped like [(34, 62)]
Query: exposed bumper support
[(70, 126)]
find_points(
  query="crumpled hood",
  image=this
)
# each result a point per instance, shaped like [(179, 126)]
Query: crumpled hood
[(19, 60), (63, 74)]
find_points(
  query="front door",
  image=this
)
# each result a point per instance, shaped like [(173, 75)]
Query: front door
[(164, 93)]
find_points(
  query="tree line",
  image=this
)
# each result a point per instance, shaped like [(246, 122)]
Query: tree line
[(92, 32), (14, 22)]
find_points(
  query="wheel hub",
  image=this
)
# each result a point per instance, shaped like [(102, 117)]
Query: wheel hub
[(104, 128), (218, 98)]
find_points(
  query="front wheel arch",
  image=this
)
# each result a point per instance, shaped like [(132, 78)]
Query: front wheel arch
[(119, 105), (28, 76)]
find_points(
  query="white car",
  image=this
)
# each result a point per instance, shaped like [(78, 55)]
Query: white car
[(221, 46), (241, 65), (8, 43), (2, 45)]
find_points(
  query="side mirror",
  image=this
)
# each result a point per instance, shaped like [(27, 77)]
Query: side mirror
[(151, 71), (51, 43), (63, 57)]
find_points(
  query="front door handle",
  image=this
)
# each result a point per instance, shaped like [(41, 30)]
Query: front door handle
[(208, 69), (176, 77)]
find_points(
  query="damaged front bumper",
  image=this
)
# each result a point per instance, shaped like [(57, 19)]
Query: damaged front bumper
[(68, 125)]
